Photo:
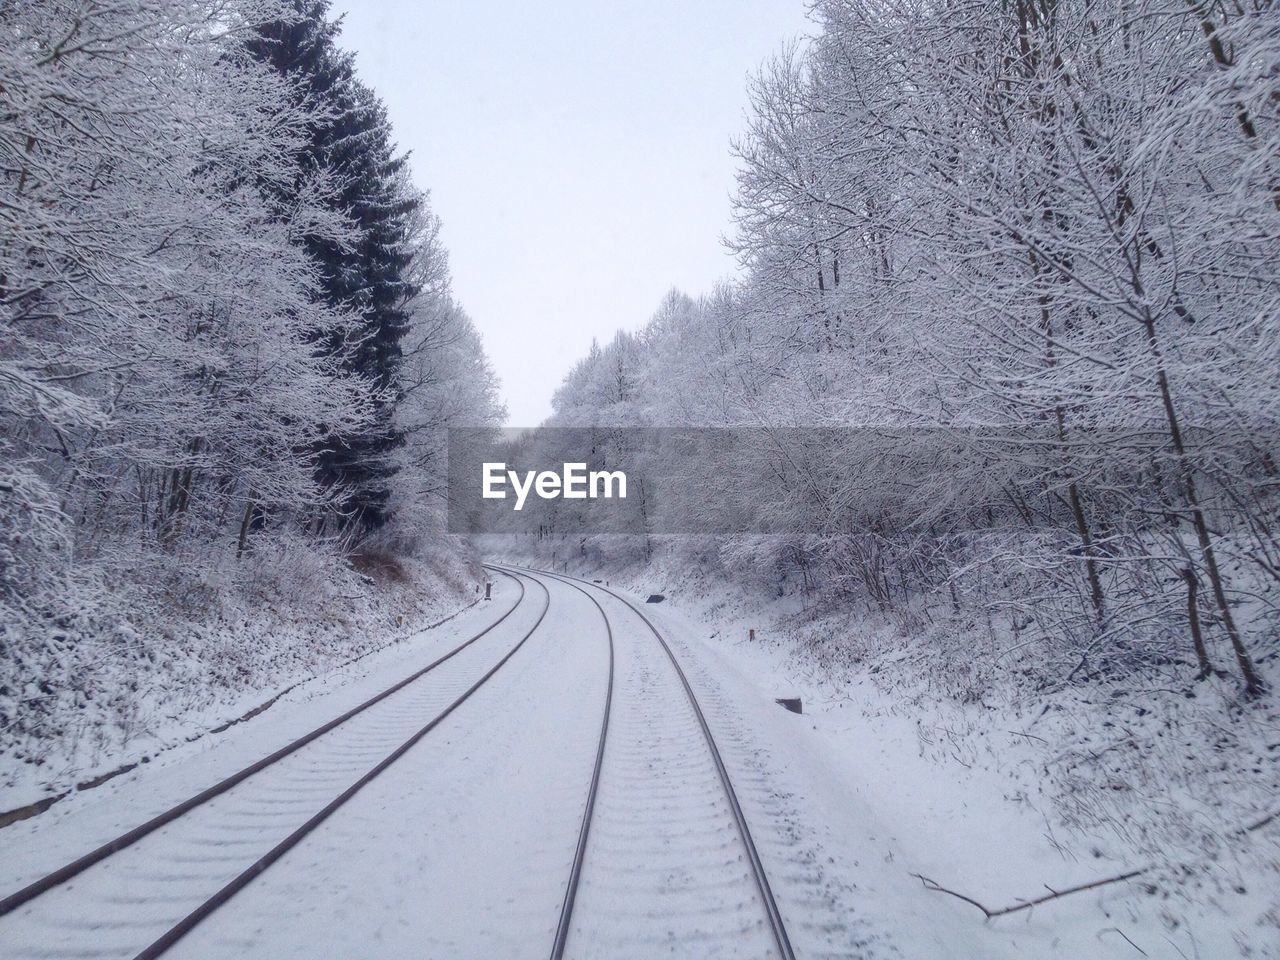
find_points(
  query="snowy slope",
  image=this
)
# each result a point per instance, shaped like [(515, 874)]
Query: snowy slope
[(887, 783)]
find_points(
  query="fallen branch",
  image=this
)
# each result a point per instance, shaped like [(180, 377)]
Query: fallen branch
[(1029, 736), (1055, 894), (1262, 823), (1027, 904), (1123, 934)]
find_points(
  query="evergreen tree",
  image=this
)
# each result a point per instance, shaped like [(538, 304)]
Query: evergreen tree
[(353, 151)]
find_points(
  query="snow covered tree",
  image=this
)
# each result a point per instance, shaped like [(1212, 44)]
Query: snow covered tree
[(201, 310), (350, 145), (1020, 258)]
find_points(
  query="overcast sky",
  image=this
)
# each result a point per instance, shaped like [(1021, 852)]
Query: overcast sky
[(577, 152)]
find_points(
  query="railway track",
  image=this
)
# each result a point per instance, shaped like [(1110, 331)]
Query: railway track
[(773, 917), (245, 819), (378, 721)]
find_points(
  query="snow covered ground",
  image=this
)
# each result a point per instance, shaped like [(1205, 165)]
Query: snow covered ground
[(463, 847), (887, 783), (206, 658)]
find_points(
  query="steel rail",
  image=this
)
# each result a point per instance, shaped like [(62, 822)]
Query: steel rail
[(60, 876), (776, 924), (584, 831), (193, 919)]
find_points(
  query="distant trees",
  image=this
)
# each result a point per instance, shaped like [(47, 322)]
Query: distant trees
[(445, 380), (1028, 253)]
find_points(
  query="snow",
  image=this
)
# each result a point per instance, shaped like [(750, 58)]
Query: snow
[(205, 648), (1000, 369), (464, 846), (84, 820), (665, 872), (884, 783)]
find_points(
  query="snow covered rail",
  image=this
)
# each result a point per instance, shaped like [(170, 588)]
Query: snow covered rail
[(777, 927), (57, 881), (580, 853)]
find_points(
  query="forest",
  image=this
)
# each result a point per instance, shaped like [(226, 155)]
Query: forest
[(1002, 368), (228, 354), (952, 513), (1016, 262)]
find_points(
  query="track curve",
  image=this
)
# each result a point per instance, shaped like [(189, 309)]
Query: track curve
[(292, 793), (189, 922), (776, 923), (70, 870)]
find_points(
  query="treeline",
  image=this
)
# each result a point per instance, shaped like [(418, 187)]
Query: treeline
[(225, 314), (1034, 246)]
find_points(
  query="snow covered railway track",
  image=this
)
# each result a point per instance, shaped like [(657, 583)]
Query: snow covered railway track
[(113, 901), (658, 778)]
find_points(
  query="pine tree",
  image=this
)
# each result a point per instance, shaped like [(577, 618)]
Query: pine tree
[(352, 148)]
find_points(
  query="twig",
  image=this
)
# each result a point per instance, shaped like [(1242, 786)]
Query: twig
[(1262, 823), (1123, 934), (1029, 736), (1027, 904)]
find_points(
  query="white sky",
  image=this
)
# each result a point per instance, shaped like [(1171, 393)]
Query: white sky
[(576, 150)]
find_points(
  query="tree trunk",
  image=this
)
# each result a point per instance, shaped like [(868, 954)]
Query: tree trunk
[(1193, 619), (1253, 684), (244, 524)]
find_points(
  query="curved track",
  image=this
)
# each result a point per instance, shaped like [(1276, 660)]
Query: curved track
[(220, 816), (664, 861), (580, 852), (777, 927)]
